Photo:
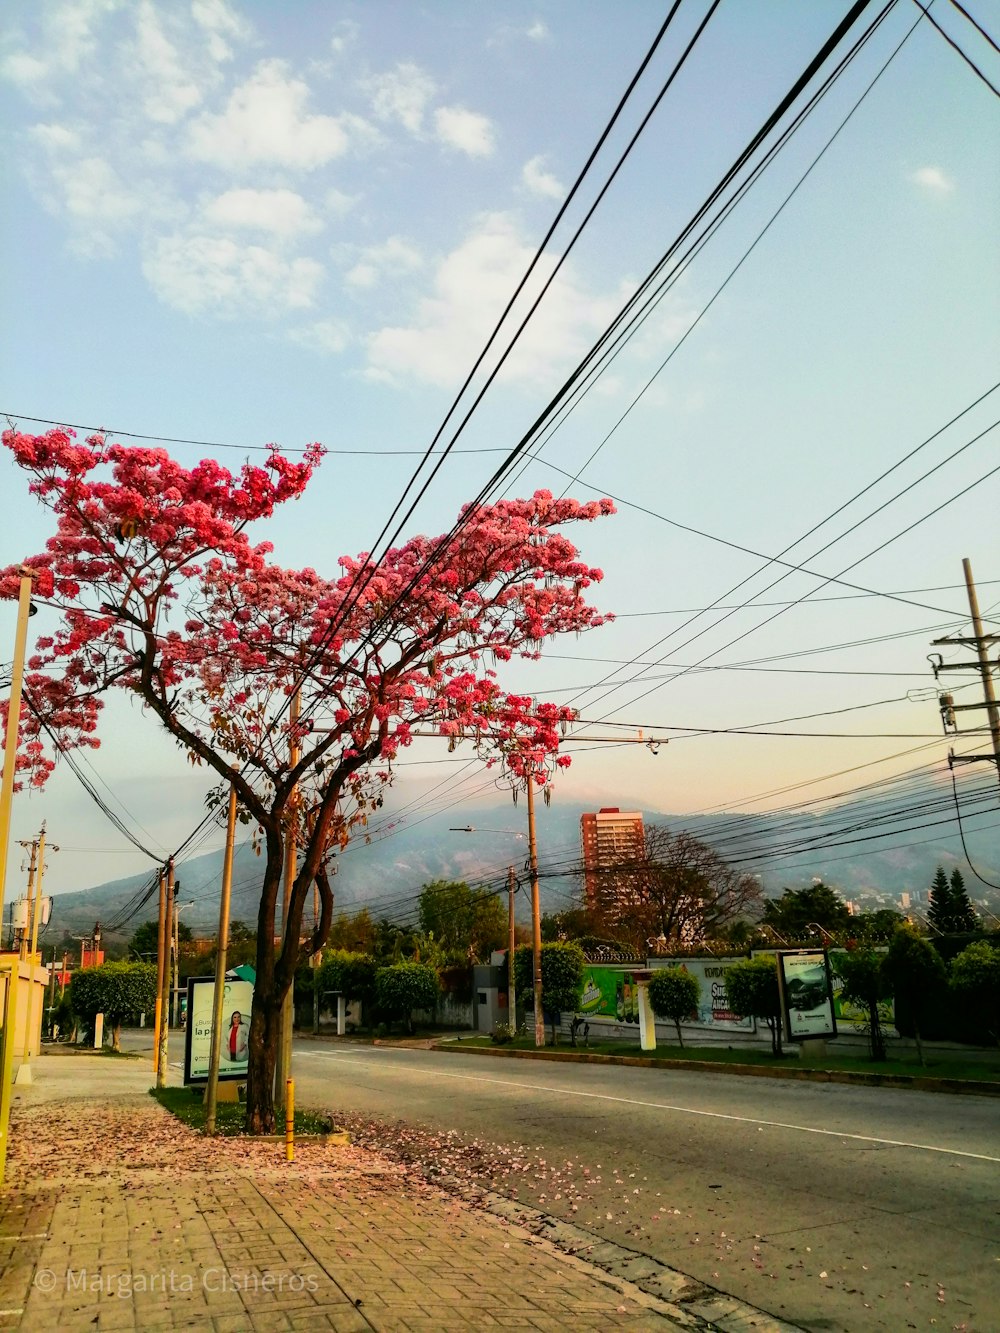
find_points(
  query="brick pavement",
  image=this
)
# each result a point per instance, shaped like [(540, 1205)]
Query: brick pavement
[(115, 1216)]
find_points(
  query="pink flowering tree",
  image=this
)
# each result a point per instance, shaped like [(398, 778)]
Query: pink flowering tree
[(162, 593)]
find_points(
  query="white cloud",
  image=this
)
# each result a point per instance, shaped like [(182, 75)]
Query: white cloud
[(326, 335), (339, 204), (471, 287), (933, 178), (67, 41), (209, 274), (345, 34), (402, 95), (537, 32), (393, 257), (466, 130), (539, 181), (218, 21), (168, 94), (280, 212), (266, 121)]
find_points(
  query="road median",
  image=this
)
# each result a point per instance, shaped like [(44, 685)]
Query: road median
[(802, 1073)]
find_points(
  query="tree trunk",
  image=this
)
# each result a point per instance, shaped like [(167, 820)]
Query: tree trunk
[(920, 1045), (265, 1031), (876, 1039), (116, 1038), (680, 1039)]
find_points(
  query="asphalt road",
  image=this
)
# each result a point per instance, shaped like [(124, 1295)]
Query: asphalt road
[(833, 1207)]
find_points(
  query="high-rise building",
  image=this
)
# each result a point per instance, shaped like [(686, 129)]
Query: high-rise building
[(614, 843)]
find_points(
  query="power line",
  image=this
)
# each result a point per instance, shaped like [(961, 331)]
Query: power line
[(955, 47), (978, 26)]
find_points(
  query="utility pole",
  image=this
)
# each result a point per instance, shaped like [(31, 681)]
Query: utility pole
[(511, 990), (160, 961), (37, 850), (283, 1065), (168, 907), (212, 1090), (536, 916), (984, 666)]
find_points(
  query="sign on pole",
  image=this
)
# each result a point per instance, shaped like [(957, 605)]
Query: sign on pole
[(806, 994), (235, 1053)]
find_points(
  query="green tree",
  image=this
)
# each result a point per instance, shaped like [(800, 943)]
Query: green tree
[(119, 991), (353, 974), (916, 977), (674, 993), (975, 980), (562, 978), (864, 983), (355, 933), (939, 902), (876, 927), (465, 923), (144, 940), (798, 911), (963, 914), (752, 992), (403, 987)]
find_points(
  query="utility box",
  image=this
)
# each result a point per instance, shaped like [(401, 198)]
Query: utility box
[(489, 997)]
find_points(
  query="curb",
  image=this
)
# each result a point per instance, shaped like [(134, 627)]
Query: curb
[(914, 1082)]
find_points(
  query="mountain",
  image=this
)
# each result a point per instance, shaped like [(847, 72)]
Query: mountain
[(866, 847)]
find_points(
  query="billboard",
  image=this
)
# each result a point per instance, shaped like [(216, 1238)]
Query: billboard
[(609, 993), (235, 1052), (713, 1004), (806, 994)]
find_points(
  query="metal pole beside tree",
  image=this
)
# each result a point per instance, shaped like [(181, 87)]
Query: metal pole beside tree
[(536, 914)]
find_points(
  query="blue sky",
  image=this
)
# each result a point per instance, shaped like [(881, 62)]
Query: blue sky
[(244, 223)]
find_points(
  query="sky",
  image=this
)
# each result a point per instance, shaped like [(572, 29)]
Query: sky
[(261, 222)]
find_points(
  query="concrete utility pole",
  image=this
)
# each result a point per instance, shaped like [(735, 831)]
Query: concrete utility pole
[(536, 915), (985, 667), (162, 1046), (37, 863), (160, 963)]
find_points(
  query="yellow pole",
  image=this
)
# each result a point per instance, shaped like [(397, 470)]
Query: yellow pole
[(289, 1120), (6, 803)]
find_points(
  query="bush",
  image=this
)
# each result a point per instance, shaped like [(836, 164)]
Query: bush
[(865, 984), (349, 972), (674, 993), (562, 978), (404, 987), (119, 991), (752, 992), (975, 982), (916, 976)]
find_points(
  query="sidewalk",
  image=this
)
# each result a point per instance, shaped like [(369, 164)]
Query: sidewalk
[(116, 1216)]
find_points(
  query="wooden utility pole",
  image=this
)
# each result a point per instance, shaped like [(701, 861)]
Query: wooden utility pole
[(283, 1064), (981, 642), (511, 989), (212, 1090)]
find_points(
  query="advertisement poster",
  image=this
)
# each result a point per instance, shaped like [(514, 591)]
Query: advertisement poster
[(609, 993), (806, 994), (853, 1015), (713, 1005), (234, 1054)]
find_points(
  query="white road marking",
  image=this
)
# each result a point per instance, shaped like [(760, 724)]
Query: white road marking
[(681, 1110)]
